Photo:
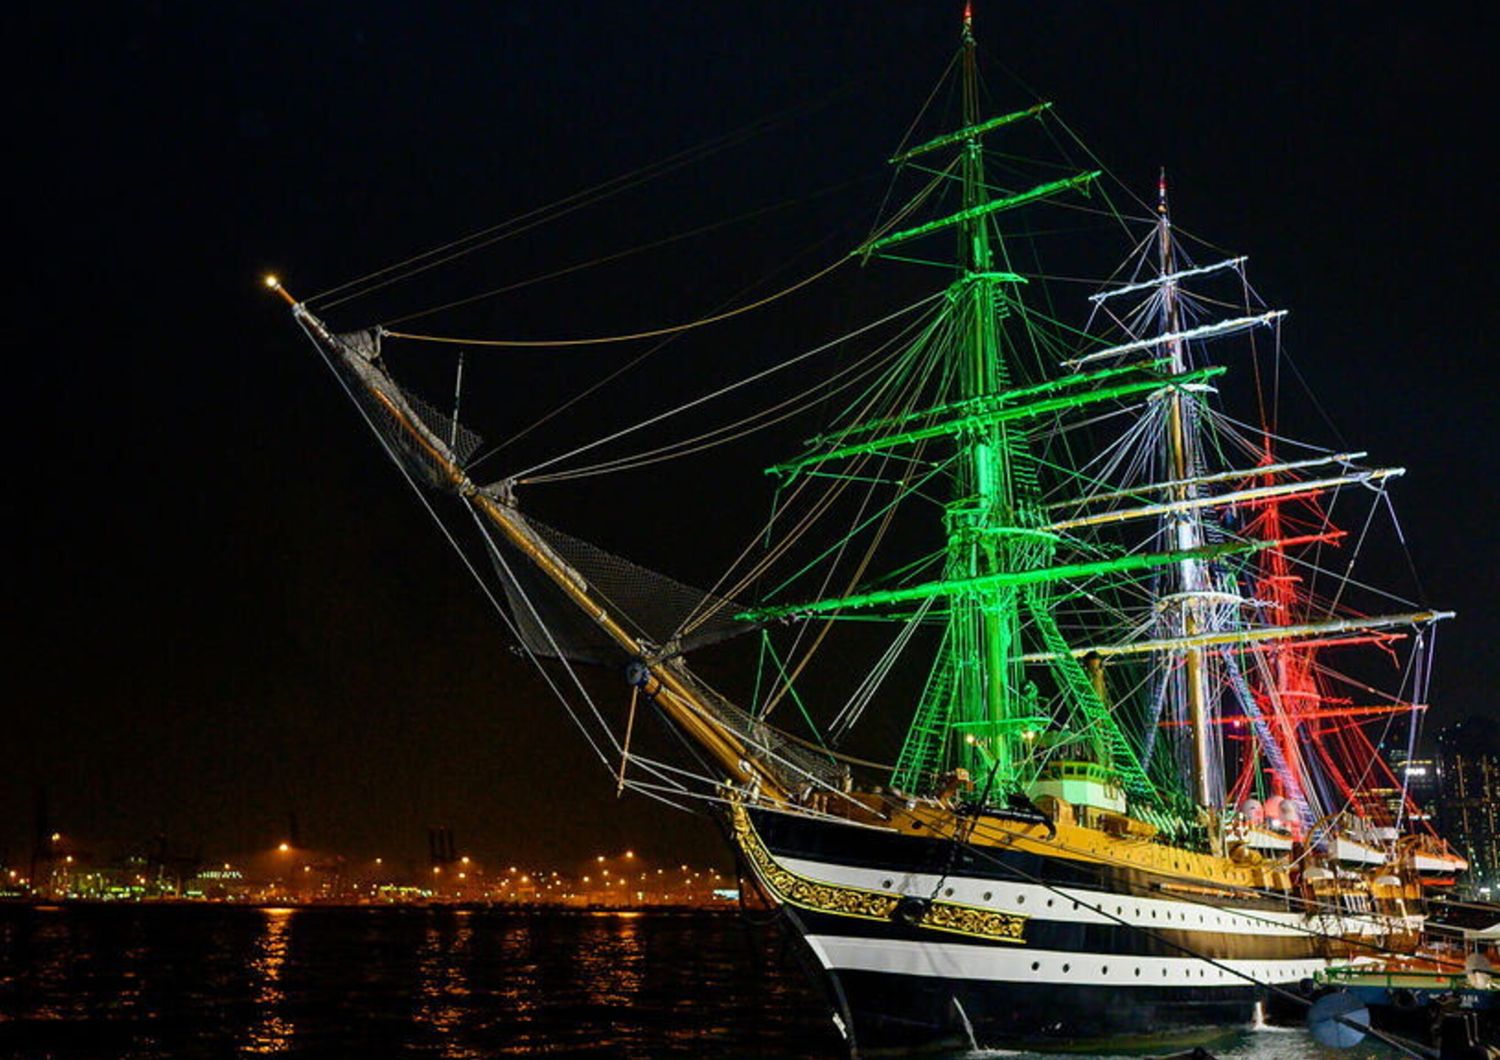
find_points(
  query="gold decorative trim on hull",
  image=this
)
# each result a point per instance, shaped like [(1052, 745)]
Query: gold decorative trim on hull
[(819, 897)]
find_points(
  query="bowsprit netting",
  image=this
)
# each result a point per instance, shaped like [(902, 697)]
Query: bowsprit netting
[(386, 403), (653, 606)]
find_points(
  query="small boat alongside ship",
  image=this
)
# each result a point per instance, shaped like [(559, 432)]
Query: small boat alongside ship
[(1440, 999), (1404, 991)]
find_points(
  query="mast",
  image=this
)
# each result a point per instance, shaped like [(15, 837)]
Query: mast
[(979, 709), (984, 626), (1184, 526)]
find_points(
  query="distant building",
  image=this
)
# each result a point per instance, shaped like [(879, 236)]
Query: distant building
[(1468, 761), (1419, 775), (1402, 801), (220, 883)]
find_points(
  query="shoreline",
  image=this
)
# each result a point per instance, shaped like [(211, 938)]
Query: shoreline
[(51, 905)]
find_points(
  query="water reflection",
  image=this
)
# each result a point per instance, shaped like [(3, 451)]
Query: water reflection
[(444, 987), (128, 992), (272, 1031), (609, 961), (58, 962), (518, 984), (151, 983)]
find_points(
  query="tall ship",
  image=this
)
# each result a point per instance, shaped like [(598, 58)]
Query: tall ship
[(1136, 679)]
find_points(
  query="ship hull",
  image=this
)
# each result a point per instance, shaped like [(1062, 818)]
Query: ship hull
[(889, 1011), (1012, 947)]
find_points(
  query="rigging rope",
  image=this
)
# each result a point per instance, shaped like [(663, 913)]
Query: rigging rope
[(561, 207), (798, 358), (907, 394), (601, 340), (593, 387), (605, 259), (768, 417), (604, 340)]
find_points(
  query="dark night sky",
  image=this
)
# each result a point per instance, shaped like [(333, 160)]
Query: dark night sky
[(226, 606)]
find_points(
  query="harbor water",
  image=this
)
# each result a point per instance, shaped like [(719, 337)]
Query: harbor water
[(145, 981)]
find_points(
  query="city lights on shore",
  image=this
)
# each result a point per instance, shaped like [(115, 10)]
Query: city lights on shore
[(287, 874)]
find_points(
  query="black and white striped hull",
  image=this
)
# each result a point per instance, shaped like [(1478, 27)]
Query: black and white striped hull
[(1016, 947)]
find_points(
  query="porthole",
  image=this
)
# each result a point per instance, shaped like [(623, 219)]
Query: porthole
[(1020, 899), (988, 895), (1137, 973), (1202, 973), (1066, 967), (1163, 973), (948, 893), (1104, 970), (1049, 903), (886, 884), (1035, 965), (1117, 910), (1153, 914)]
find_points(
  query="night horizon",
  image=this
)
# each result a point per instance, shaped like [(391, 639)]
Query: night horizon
[(231, 609)]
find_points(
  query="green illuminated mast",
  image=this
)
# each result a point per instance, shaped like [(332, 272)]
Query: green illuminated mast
[(979, 710), (1008, 564), (985, 521)]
